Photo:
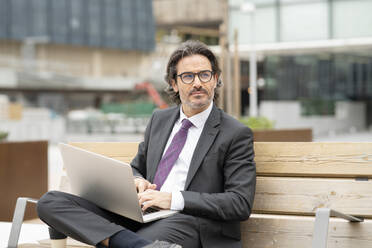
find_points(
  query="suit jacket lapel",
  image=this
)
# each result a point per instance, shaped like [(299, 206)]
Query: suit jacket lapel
[(206, 140), (161, 138)]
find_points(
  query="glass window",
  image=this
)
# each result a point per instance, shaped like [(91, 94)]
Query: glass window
[(76, 22), (110, 21), (58, 21), (262, 2), (264, 25), (299, 1), (39, 18), (94, 25), (369, 79), (305, 21), (4, 20), (19, 19), (352, 18)]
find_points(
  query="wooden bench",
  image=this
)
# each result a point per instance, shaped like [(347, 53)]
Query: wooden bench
[(295, 180)]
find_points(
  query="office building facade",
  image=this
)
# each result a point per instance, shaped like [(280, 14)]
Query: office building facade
[(315, 54)]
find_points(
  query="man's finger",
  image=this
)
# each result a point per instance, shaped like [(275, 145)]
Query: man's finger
[(141, 186), (142, 198), (146, 205), (152, 186), (144, 195)]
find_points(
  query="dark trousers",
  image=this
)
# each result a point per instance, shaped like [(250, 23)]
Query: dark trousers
[(82, 220)]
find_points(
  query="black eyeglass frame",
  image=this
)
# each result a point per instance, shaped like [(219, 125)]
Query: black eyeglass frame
[(196, 73)]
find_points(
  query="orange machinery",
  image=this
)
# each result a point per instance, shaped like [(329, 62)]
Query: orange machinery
[(153, 93)]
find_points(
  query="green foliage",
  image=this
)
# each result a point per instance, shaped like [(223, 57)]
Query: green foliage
[(317, 106), (257, 123), (3, 135), (129, 109)]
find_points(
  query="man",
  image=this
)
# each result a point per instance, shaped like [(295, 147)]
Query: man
[(194, 158)]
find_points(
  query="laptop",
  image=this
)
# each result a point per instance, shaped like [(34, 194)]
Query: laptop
[(106, 182)]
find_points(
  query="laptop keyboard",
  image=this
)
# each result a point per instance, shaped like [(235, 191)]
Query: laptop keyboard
[(150, 210)]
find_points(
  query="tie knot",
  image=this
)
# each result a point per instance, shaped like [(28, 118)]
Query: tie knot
[(186, 124)]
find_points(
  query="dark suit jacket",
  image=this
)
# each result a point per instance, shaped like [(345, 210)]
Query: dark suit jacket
[(220, 184)]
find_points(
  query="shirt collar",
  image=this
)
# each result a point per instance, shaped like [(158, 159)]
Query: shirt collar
[(197, 120)]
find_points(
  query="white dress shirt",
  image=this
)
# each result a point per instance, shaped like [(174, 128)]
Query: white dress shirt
[(176, 179)]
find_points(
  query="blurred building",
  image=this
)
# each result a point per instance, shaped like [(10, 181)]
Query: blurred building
[(314, 56), (58, 53), (66, 55), (76, 53), (314, 60)]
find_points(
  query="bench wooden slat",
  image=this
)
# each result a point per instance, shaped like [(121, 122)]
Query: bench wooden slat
[(302, 196), (262, 231), (110, 149), (314, 159)]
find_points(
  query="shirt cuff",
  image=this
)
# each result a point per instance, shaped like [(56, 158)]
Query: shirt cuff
[(177, 203)]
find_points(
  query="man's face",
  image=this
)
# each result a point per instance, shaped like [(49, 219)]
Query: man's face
[(196, 96)]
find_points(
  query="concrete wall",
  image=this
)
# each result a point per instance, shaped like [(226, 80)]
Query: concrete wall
[(75, 60), (349, 116), (170, 12)]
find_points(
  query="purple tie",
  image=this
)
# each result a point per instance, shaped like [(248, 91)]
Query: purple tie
[(171, 155)]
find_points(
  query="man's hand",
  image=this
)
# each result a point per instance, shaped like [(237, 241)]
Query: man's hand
[(155, 198), (143, 184)]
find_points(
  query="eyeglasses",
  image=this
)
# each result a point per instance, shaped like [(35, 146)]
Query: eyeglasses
[(189, 77)]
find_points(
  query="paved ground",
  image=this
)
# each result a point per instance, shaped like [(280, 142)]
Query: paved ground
[(30, 233)]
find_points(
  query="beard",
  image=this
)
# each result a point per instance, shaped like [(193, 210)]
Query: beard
[(197, 101)]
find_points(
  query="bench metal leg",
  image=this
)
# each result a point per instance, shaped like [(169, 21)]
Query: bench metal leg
[(18, 216), (321, 228), (322, 222)]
